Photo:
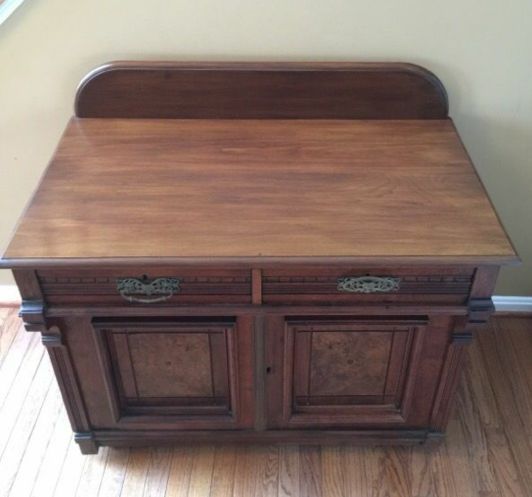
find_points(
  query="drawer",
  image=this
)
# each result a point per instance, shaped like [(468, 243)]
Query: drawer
[(161, 286), (347, 285)]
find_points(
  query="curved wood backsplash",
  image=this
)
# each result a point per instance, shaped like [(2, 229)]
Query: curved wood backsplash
[(261, 91)]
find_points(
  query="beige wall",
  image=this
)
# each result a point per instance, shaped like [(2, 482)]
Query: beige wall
[(482, 51)]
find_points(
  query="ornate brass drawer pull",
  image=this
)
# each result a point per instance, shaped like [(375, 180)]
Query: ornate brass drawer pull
[(156, 290), (368, 284)]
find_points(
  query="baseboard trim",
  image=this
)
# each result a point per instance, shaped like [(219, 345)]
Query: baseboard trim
[(512, 304), (9, 296)]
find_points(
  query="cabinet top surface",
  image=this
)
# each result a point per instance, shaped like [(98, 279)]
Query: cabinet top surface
[(259, 189)]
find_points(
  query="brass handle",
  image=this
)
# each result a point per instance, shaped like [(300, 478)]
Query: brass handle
[(161, 288), (368, 284)]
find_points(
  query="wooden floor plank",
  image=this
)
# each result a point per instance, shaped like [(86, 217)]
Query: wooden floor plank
[(288, 471), (520, 332), (396, 471), (92, 475), (247, 470), (473, 428), (223, 473), (355, 471), (512, 422), (268, 477), (114, 473), (506, 471), (20, 362), (4, 311), (461, 465), (421, 461), (9, 328), (201, 472), (19, 435), (17, 391), (158, 472), (136, 473), (310, 475), (374, 470), (514, 364), (54, 457), (35, 449), (180, 470), (333, 470), (70, 472), (441, 472)]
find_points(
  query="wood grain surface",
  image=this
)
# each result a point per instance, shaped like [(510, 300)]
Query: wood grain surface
[(259, 190), (261, 90), (487, 450)]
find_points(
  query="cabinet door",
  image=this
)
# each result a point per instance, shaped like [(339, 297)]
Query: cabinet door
[(343, 371), (184, 373)]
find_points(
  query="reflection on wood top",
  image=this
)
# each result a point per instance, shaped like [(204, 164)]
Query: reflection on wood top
[(245, 189)]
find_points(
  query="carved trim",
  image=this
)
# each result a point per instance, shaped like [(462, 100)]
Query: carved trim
[(368, 284), (32, 314), (480, 310), (428, 284), (51, 280), (51, 337), (156, 290), (424, 279)]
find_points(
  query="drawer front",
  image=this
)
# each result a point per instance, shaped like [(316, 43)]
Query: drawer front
[(345, 286), (146, 286)]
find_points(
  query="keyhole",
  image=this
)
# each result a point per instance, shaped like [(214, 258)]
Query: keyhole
[(268, 370)]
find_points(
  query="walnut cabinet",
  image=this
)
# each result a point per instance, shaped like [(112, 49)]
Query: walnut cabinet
[(258, 253)]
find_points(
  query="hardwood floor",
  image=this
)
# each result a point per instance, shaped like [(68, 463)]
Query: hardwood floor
[(487, 452)]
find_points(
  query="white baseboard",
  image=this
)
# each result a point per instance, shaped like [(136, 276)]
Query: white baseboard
[(505, 303), (9, 296)]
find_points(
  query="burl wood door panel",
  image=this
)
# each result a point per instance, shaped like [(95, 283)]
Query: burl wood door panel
[(348, 371), (185, 373)]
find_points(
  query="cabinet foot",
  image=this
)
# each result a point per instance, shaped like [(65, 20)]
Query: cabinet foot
[(86, 443), (434, 438)]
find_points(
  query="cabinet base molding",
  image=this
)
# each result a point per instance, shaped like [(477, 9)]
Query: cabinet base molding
[(115, 438)]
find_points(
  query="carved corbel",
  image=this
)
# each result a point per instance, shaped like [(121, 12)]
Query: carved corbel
[(32, 314), (480, 310)]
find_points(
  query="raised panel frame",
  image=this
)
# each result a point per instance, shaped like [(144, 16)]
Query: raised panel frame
[(177, 416), (401, 369)]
